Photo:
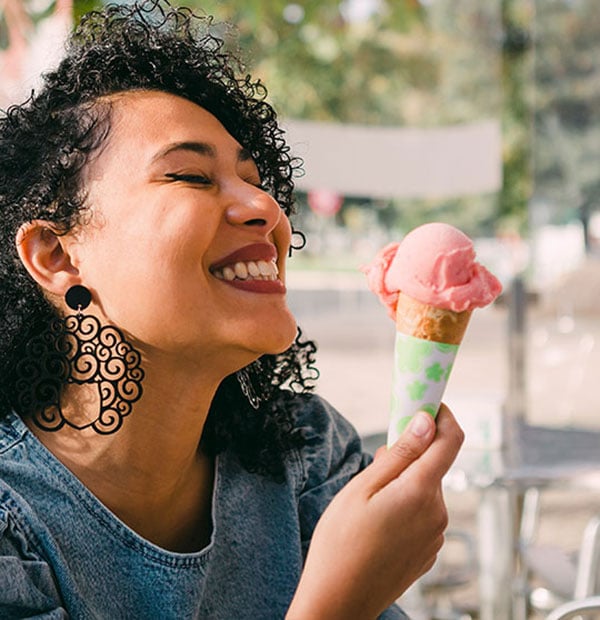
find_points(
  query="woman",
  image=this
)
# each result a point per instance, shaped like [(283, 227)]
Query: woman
[(161, 453)]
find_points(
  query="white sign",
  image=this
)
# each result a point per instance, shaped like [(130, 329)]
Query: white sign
[(402, 162)]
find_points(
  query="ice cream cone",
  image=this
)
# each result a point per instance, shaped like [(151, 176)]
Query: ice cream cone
[(429, 283), (427, 340), (430, 323)]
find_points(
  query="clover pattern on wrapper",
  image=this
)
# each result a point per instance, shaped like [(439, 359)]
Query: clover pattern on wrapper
[(420, 374)]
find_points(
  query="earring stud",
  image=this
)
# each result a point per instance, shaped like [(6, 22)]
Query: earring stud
[(78, 297)]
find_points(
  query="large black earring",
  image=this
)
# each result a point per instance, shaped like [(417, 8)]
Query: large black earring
[(79, 351)]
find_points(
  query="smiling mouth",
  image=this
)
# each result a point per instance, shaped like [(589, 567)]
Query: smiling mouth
[(248, 270)]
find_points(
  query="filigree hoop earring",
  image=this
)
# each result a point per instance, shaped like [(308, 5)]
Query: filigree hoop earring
[(73, 354), (255, 382)]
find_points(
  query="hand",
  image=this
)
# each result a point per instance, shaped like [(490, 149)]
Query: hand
[(384, 529)]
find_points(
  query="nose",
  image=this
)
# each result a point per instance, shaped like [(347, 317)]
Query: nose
[(252, 206)]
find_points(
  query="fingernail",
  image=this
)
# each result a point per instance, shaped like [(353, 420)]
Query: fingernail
[(420, 425)]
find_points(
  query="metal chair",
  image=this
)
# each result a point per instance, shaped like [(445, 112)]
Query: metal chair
[(567, 578), (587, 607)]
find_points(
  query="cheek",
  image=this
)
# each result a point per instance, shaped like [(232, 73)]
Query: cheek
[(118, 265)]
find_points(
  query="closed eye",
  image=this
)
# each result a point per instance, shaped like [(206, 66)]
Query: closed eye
[(189, 178)]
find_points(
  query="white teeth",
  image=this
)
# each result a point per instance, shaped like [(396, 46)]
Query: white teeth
[(228, 274), (264, 268), (241, 271), (251, 270)]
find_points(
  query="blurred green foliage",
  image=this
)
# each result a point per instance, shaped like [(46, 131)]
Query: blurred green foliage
[(320, 64), (566, 172), (533, 64), (517, 19), (81, 7)]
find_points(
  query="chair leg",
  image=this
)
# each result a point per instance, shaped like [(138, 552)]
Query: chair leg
[(588, 565)]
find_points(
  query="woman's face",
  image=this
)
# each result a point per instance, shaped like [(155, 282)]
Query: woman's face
[(183, 247)]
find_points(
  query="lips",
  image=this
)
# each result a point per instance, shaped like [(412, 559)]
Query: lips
[(251, 268)]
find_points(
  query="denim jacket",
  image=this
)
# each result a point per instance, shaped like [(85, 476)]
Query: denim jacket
[(63, 554)]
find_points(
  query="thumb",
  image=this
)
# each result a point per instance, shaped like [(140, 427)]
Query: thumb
[(417, 436)]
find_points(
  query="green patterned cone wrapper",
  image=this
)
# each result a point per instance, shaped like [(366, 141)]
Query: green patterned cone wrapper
[(421, 371)]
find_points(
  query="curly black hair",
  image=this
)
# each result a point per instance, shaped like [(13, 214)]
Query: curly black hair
[(46, 142)]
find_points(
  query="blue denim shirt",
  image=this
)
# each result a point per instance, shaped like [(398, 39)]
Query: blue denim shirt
[(63, 554)]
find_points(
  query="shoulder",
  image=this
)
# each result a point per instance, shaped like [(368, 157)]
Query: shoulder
[(331, 455), (18, 466), (26, 580), (15, 533), (332, 447), (12, 432), (22, 478), (19, 522), (27, 583), (323, 426)]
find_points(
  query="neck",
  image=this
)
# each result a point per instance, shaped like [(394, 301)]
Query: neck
[(151, 472)]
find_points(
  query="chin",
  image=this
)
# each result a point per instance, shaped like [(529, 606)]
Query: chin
[(283, 338)]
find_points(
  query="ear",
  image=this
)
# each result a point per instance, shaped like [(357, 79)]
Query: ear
[(44, 253)]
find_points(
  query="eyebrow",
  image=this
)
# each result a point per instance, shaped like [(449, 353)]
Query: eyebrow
[(201, 148)]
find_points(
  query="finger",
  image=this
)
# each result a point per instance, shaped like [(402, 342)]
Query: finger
[(379, 452), (438, 459), (410, 446)]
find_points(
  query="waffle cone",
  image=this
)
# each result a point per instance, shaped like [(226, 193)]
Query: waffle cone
[(430, 323)]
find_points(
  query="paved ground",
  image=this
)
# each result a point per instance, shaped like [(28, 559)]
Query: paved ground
[(355, 339)]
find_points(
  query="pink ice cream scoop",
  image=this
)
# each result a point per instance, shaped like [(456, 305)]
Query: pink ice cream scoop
[(434, 264)]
